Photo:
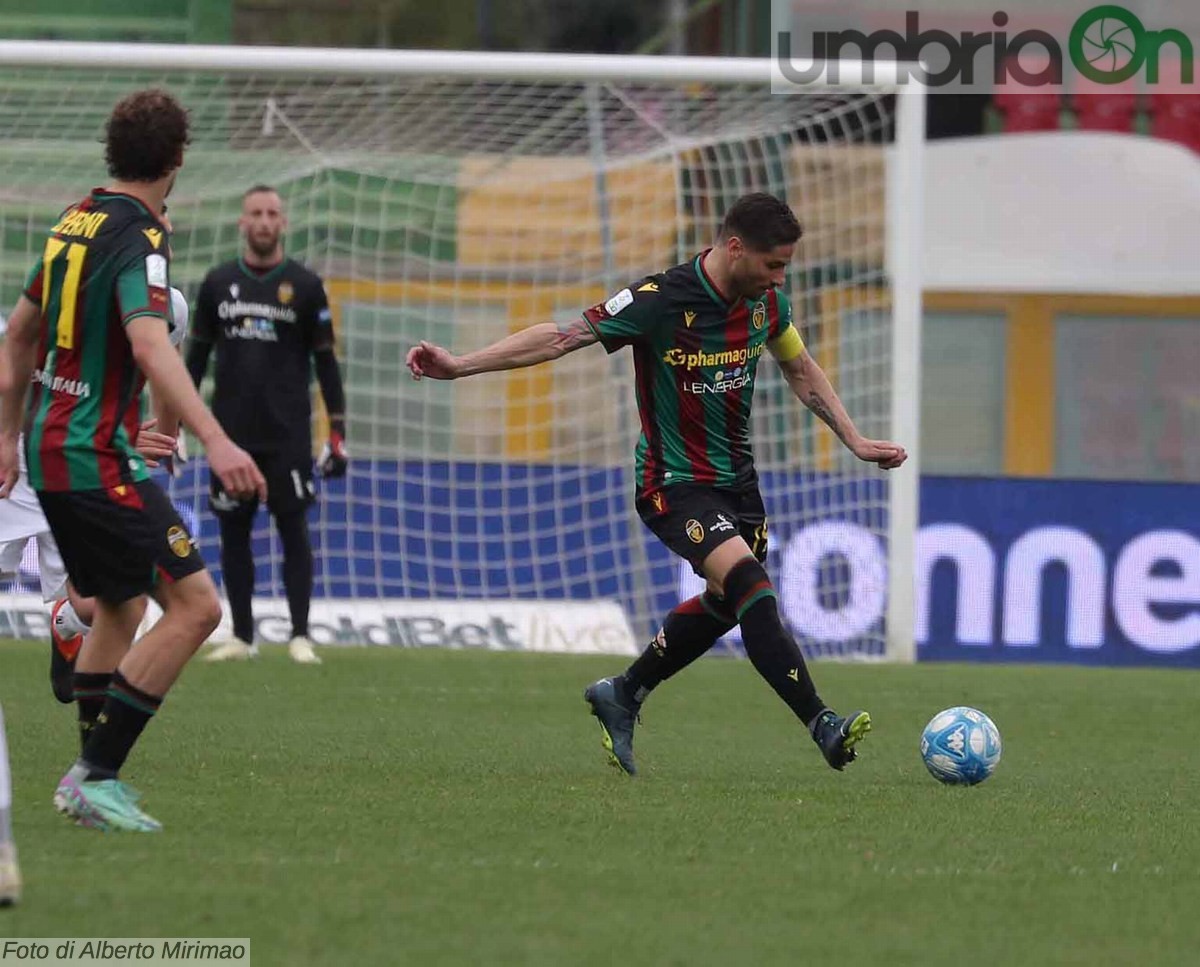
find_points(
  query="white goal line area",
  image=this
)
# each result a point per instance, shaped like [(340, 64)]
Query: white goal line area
[(458, 197)]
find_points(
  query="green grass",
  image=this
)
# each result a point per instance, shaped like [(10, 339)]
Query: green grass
[(430, 807)]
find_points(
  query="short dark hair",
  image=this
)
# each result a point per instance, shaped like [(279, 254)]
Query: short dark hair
[(762, 221), (145, 136), (256, 189)]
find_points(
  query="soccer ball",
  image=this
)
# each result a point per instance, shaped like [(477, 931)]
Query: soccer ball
[(961, 746)]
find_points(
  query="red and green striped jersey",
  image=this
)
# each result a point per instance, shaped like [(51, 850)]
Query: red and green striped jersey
[(695, 355), (105, 263)]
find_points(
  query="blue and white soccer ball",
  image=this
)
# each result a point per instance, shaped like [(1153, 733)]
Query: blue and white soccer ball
[(961, 746)]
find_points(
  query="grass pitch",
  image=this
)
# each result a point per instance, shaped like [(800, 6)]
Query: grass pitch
[(432, 807)]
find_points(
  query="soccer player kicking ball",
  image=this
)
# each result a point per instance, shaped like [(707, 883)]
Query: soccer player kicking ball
[(90, 329), (697, 332)]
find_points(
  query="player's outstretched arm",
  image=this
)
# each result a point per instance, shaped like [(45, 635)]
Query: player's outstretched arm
[(537, 344), (812, 387)]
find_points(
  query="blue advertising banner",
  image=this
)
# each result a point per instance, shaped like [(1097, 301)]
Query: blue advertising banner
[(1058, 570), (1004, 569)]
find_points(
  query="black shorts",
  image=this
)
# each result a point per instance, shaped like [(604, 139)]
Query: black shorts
[(120, 542), (693, 520), (290, 487)]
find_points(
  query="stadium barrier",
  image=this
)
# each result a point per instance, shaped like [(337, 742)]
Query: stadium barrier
[(1004, 570)]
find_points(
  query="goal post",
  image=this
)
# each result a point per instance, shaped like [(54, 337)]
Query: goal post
[(461, 196), (905, 235)]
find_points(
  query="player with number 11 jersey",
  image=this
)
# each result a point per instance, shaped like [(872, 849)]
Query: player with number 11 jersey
[(87, 381)]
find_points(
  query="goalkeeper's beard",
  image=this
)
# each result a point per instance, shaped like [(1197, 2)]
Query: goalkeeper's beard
[(263, 249)]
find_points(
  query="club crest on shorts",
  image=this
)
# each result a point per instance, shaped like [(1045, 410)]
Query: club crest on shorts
[(759, 316), (179, 541), (286, 292), (695, 531)]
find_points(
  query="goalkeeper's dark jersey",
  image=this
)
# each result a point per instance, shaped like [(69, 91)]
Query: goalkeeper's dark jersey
[(695, 356), (265, 328), (104, 264)]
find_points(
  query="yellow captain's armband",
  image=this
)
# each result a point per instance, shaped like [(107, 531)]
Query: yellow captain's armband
[(789, 345)]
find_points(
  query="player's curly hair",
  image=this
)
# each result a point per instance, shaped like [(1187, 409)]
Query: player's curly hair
[(145, 136), (761, 221)]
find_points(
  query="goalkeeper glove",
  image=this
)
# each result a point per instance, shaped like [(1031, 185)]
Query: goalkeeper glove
[(334, 457)]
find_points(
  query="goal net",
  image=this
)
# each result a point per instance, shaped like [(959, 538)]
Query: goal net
[(459, 198)]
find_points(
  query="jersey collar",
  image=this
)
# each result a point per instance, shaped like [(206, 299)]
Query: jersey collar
[(709, 285), (107, 193), (261, 276)]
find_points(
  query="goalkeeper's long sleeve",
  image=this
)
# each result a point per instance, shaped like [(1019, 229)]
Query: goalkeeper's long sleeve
[(330, 379)]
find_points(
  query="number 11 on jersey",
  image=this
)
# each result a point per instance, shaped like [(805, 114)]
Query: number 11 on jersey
[(76, 253)]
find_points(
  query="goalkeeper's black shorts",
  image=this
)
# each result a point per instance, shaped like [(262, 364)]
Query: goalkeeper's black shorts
[(289, 476)]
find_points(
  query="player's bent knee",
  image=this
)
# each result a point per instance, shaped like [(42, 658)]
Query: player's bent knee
[(207, 613), (210, 617), (723, 558), (747, 583)]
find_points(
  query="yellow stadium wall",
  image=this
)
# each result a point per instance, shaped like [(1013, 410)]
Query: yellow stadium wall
[(1029, 416), (1030, 373)]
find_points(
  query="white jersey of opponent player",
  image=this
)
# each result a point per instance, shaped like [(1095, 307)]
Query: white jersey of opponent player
[(21, 515)]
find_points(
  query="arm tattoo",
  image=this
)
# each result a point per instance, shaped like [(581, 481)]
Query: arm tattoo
[(815, 403), (574, 335)]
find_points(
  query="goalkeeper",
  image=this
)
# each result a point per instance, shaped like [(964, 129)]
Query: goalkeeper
[(697, 332), (268, 318)]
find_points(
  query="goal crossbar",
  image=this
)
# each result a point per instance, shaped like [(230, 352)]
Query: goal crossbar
[(466, 64)]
